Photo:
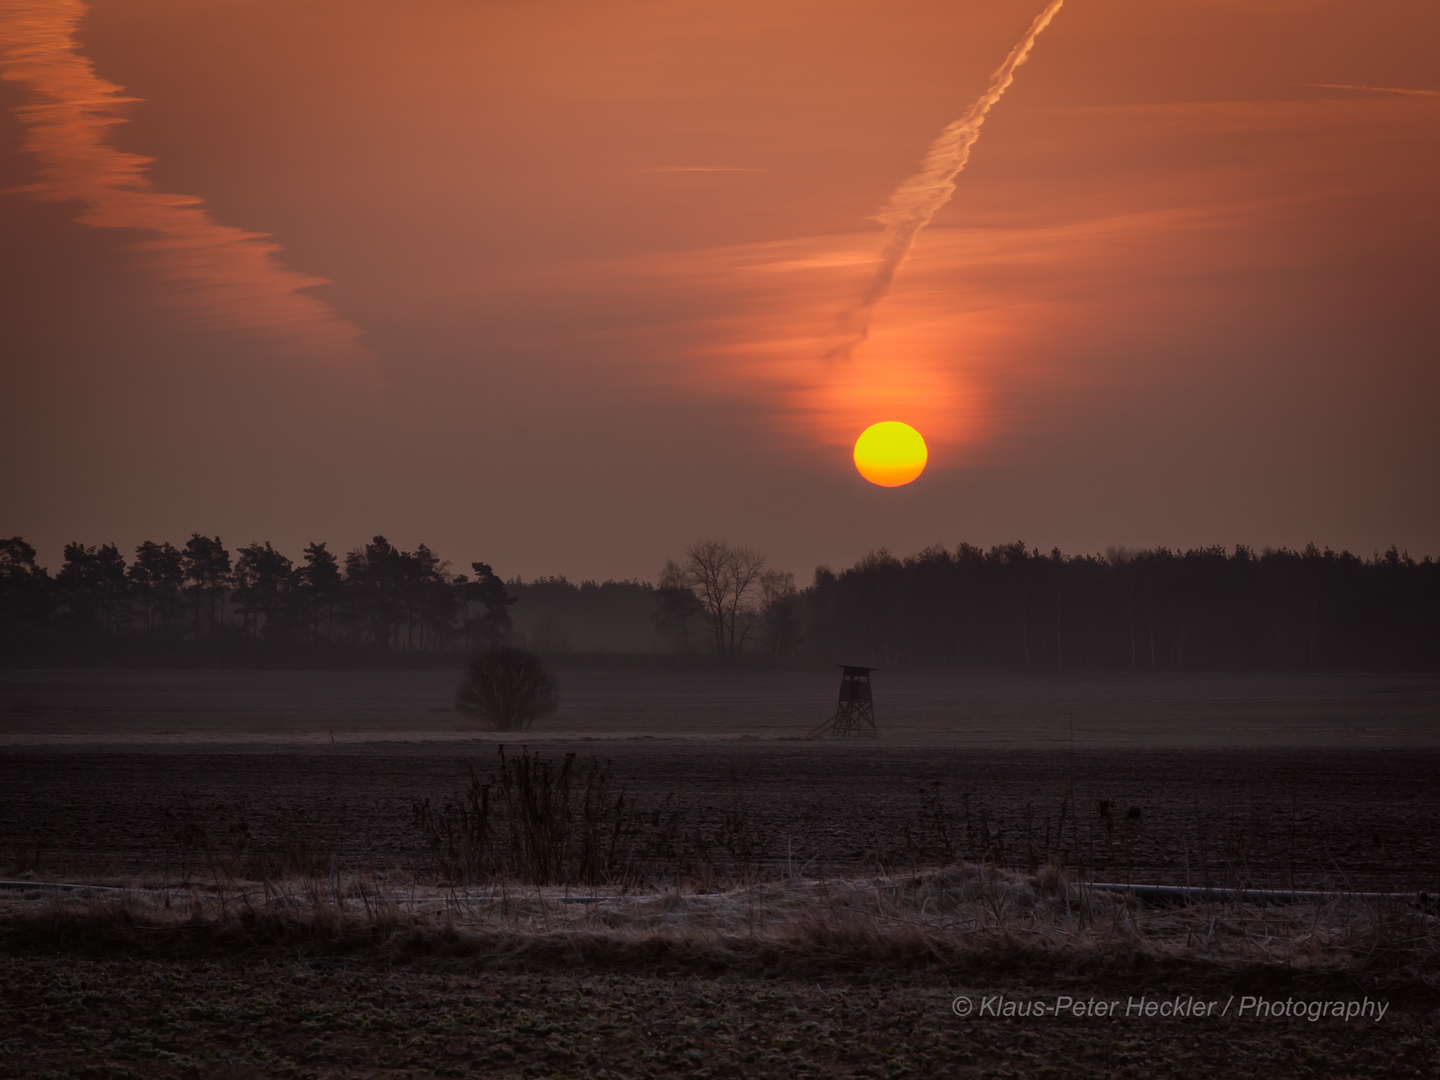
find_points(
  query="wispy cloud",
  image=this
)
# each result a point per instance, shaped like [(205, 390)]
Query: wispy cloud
[(934, 361), (1373, 89), (227, 278)]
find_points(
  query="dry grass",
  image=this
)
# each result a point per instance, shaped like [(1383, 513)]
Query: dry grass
[(548, 866), (959, 919)]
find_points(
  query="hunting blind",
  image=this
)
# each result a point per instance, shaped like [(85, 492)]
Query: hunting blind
[(855, 714)]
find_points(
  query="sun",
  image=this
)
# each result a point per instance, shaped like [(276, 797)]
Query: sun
[(890, 453)]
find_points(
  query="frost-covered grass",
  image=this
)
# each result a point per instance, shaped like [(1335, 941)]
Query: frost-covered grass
[(943, 920), (320, 977)]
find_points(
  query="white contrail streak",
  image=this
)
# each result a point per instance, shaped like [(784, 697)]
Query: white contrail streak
[(1372, 89), (916, 201)]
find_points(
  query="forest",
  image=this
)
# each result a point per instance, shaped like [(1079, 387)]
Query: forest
[(1006, 607), (1201, 610)]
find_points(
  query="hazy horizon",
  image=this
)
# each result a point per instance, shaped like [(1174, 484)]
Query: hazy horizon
[(803, 574)]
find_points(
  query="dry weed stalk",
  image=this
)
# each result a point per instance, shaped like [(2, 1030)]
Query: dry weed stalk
[(539, 823)]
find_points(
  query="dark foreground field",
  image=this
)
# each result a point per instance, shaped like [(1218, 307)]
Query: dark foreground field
[(294, 906), (1307, 818), (121, 1017), (1301, 781)]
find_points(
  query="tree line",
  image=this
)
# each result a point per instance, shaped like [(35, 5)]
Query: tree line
[(1013, 607), (1006, 607), (1207, 609), (201, 597)]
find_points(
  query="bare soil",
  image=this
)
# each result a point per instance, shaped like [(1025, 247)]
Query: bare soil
[(1310, 781), (122, 1018), (1307, 818), (1306, 780)]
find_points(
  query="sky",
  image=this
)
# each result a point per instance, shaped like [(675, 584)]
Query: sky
[(565, 286)]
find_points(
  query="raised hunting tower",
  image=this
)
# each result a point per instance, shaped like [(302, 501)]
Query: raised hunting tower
[(855, 715)]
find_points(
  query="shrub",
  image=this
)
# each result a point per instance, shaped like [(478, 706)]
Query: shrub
[(508, 689)]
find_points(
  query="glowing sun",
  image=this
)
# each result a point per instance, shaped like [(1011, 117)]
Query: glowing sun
[(890, 453)]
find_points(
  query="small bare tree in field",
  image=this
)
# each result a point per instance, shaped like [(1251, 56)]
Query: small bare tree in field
[(726, 581), (508, 689)]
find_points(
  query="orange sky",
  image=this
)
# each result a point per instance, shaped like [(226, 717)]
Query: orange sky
[(554, 284)]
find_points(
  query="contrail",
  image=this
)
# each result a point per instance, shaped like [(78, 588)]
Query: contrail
[(1373, 89), (916, 201)]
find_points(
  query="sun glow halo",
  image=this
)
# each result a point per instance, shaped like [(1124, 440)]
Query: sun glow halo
[(890, 453)]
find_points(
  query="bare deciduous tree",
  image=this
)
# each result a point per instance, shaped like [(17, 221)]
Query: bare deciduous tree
[(725, 580), (508, 688), (780, 611)]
